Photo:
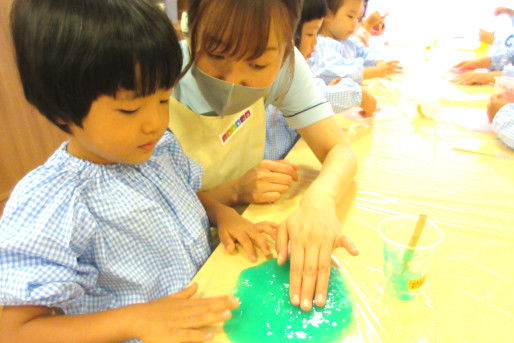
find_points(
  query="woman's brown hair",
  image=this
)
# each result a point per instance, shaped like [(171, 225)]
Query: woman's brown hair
[(241, 28)]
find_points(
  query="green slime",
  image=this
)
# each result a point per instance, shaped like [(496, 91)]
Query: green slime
[(266, 314)]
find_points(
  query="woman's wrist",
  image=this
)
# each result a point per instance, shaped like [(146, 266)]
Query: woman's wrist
[(320, 194)]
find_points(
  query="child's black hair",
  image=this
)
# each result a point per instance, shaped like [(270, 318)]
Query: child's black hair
[(312, 10), (69, 52)]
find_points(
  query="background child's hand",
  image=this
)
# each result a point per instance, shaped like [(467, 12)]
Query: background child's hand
[(177, 318), (503, 10), (373, 20), (335, 81), (486, 37), (375, 24), (390, 67), (368, 104), (497, 102), (267, 181), (232, 229), (474, 78), (471, 65)]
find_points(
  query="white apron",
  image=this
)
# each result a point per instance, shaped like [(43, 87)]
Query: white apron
[(226, 147)]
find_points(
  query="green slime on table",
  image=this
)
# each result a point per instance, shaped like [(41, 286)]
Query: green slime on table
[(267, 316)]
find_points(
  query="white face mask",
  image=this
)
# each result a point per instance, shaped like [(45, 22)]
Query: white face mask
[(224, 97)]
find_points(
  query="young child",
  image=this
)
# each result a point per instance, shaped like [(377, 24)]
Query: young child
[(338, 54), (342, 93), (503, 60), (110, 226), (501, 114)]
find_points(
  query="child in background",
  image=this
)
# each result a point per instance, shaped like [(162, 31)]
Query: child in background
[(373, 25), (501, 110), (501, 114), (503, 60), (342, 93), (110, 226), (339, 55)]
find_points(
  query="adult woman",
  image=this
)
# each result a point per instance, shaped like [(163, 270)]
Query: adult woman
[(243, 57)]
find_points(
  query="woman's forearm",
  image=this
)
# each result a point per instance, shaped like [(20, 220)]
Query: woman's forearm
[(336, 175)]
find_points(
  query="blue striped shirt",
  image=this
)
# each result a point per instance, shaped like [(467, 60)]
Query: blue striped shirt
[(86, 237), (341, 58), (502, 58)]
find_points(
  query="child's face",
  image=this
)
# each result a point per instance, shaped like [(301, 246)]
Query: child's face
[(344, 22), (260, 72), (308, 40), (121, 129)]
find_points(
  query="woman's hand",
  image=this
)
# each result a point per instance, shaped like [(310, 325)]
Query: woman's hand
[(309, 236), (266, 182), (177, 317)]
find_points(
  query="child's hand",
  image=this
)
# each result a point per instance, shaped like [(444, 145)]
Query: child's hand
[(373, 20), (467, 65), (267, 181), (335, 81), (375, 24), (503, 10), (486, 37), (497, 102), (232, 229), (177, 317), (390, 67), (474, 78), (368, 104)]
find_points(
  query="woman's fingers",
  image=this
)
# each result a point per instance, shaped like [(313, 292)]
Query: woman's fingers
[(323, 275), (296, 272), (309, 276), (343, 241)]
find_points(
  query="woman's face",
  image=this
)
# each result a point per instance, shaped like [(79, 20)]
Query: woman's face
[(259, 72)]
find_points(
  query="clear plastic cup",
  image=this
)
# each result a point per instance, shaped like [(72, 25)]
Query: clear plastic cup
[(405, 269)]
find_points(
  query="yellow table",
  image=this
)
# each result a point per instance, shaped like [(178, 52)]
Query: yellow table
[(408, 164)]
